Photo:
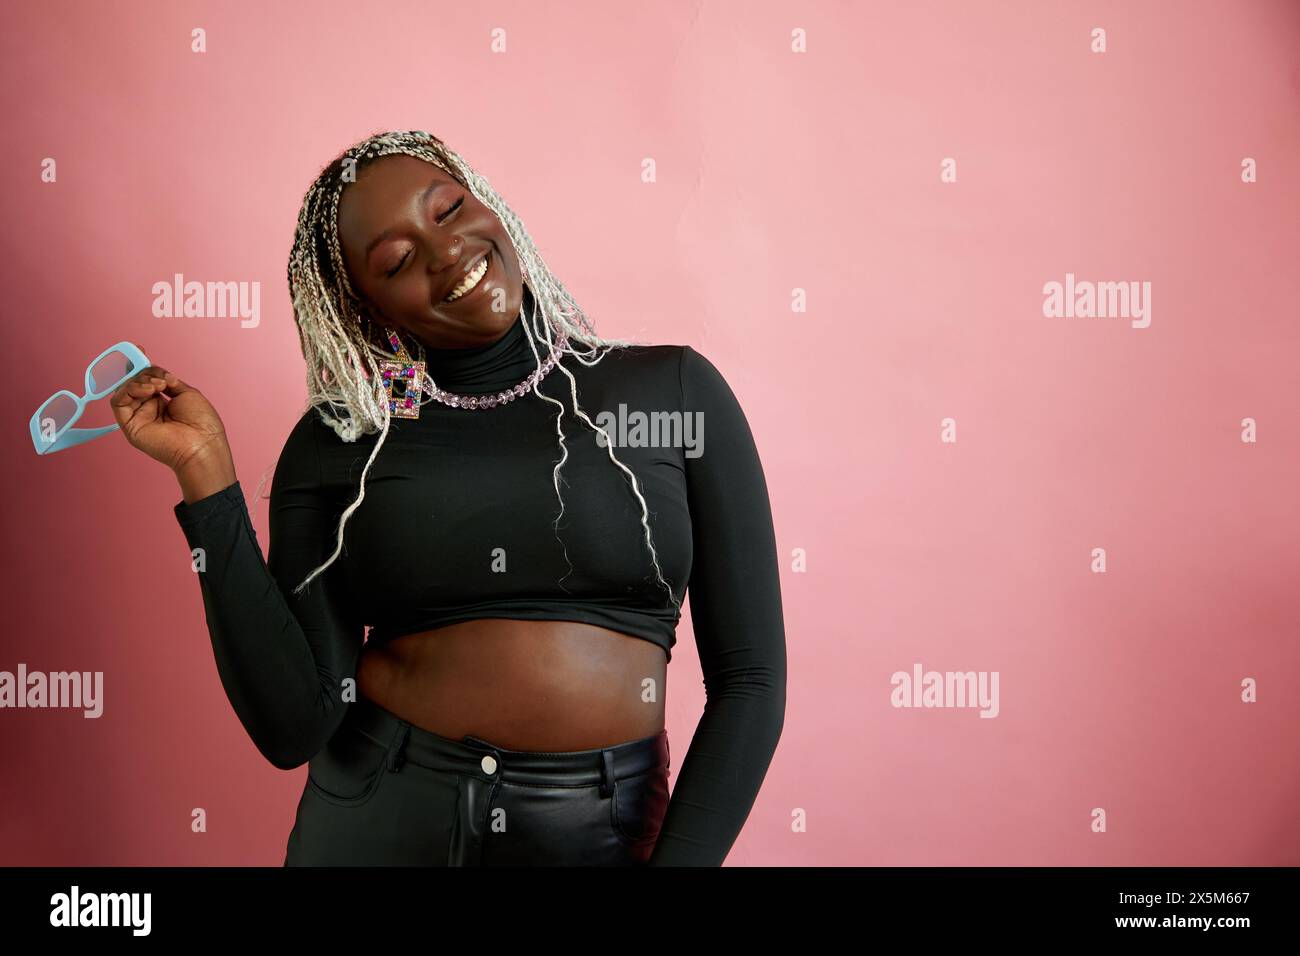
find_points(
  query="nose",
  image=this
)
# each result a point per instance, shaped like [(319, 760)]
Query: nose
[(446, 253)]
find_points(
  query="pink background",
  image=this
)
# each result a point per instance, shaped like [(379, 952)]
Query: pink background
[(776, 171)]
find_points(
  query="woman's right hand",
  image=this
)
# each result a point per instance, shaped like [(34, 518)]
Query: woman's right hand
[(183, 430)]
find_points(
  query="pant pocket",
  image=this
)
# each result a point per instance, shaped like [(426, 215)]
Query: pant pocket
[(638, 806), (349, 769)]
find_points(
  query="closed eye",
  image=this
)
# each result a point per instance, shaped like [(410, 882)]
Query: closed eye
[(441, 219), (447, 215)]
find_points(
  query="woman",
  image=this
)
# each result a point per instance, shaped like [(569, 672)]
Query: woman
[(507, 705)]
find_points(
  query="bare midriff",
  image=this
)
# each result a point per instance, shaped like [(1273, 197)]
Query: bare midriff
[(523, 685)]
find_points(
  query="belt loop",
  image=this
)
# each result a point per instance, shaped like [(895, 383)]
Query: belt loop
[(606, 773), (398, 757)]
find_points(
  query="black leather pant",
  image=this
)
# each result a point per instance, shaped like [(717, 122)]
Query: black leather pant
[(386, 793)]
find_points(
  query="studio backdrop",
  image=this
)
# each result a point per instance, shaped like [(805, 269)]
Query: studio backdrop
[(1006, 291)]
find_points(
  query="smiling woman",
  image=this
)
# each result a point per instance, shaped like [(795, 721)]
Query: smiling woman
[(518, 638), (386, 222)]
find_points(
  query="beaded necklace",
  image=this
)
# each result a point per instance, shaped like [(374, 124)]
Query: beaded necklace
[(404, 382)]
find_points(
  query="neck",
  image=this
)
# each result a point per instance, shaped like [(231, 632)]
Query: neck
[(487, 368)]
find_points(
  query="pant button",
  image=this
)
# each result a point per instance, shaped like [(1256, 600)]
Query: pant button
[(489, 764)]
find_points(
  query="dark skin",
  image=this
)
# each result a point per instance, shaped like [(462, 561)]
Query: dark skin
[(525, 685)]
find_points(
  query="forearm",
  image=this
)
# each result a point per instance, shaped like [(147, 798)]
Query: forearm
[(723, 770)]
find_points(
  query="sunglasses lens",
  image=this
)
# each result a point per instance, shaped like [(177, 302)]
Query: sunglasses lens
[(110, 371), (55, 415)]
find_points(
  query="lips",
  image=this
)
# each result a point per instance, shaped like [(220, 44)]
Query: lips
[(481, 264)]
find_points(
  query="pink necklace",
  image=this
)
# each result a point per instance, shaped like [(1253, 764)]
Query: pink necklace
[(404, 381)]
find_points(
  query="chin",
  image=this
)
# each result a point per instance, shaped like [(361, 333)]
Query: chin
[(484, 320)]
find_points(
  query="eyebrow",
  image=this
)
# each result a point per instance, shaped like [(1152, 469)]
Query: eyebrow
[(424, 199)]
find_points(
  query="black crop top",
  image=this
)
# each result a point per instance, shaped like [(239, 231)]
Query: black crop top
[(459, 522)]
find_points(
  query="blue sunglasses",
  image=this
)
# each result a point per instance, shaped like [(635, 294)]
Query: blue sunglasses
[(52, 424)]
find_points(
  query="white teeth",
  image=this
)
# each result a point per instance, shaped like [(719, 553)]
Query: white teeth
[(470, 281)]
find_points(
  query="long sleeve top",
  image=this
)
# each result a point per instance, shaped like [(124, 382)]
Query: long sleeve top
[(454, 493)]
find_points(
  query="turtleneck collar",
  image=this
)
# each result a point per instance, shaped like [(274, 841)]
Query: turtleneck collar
[(487, 368)]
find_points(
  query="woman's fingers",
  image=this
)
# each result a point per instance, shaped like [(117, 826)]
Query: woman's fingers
[(174, 386), (124, 402), (128, 399), (135, 393), (139, 378), (165, 381)]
